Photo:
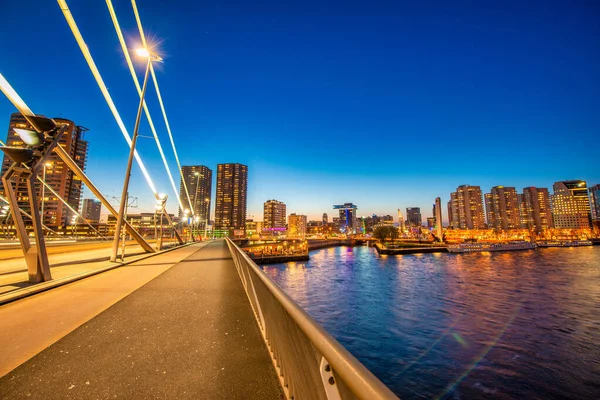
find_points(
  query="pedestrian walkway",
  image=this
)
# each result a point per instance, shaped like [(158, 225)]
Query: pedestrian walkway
[(187, 334)]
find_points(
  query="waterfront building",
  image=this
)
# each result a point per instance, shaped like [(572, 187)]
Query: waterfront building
[(437, 213), (297, 225), (347, 213), (535, 212), (253, 228), (325, 219), (55, 173), (147, 224), (595, 202), (465, 208), (570, 205), (336, 224), (230, 207), (502, 208), (198, 180), (413, 216), (274, 215), (91, 210)]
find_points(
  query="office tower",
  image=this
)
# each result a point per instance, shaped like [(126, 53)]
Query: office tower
[(55, 173), (347, 213), (297, 225), (232, 188), (438, 217), (401, 221), (325, 219), (274, 215), (413, 216), (91, 210), (198, 180), (595, 202), (502, 208), (466, 208), (430, 222), (535, 209), (570, 205)]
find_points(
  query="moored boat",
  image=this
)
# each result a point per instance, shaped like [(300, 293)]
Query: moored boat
[(564, 243), (482, 246)]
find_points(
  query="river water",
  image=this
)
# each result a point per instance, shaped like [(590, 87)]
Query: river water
[(512, 325)]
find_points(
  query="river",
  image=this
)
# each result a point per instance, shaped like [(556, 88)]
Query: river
[(511, 325)]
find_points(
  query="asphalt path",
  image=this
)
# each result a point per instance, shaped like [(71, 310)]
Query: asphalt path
[(188, 334)]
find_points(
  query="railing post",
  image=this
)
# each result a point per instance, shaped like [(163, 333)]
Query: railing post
[(329, 382)]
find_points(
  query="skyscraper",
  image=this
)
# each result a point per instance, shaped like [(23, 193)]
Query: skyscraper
[(571, 205), (438, 217), (325, 219), (198, 179), (535, 209), (55, 173), (274, 215), (347, 213), (297, 225), (465, 208), (502, 208), (91, 210), (413, 216), (400, 221), (595, 202), (230, 210)]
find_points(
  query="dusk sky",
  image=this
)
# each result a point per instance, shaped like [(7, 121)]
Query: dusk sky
[(384, 104)]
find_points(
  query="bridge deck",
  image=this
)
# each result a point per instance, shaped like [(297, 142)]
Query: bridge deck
[(187, 334)]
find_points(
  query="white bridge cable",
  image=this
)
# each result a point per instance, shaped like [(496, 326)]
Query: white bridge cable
[(162, 106), (115, 21), (88, 57)]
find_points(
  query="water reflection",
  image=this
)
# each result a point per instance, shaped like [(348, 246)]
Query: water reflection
[(500, 325)]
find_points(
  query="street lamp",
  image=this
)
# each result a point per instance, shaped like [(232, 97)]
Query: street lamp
[(207, 202), (44, 189), (145, 53)]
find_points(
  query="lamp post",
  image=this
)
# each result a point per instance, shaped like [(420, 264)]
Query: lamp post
[(121, 218), (185, 214), (43, 190), (206, 201)]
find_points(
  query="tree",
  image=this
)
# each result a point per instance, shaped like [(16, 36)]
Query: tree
[(384, 232)]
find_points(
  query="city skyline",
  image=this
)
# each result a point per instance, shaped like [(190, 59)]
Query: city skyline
[(435, 114)]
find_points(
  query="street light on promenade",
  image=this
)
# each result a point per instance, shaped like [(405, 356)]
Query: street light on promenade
[(206, 219), (145, 53)]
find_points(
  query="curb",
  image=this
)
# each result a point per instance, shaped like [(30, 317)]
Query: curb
[(42, 287)]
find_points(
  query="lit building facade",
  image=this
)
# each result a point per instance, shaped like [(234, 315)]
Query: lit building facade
[(595, 202), (502, 208), (535, 212), (437, 213), (55, 173), (570, 205), (91, 210), (274, 215), (198, 180), (325, 219), (347, 217), (297, 225), (231, 198), (465, 208), (413, 216)]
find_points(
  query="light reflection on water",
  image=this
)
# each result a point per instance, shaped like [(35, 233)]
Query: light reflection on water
[(520, 324)]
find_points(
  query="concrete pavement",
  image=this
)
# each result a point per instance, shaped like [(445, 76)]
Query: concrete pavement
[(187, 334)]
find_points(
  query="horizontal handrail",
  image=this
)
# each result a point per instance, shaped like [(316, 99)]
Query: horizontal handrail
[(361, 382)]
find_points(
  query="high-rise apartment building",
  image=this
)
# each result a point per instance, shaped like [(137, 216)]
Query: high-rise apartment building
[(274, 215), (465, 208), (437, 213), (413, 216), (55, 173), (91, 210), (595, 202), (297, 225), (232, 188), (570, 205), (502, 208), (535, 211), (198, 180), (325, 219)]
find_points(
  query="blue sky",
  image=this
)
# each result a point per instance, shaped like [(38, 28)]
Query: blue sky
[(383, 104)]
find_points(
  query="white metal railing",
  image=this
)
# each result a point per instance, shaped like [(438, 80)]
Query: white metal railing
[(310, 363)]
